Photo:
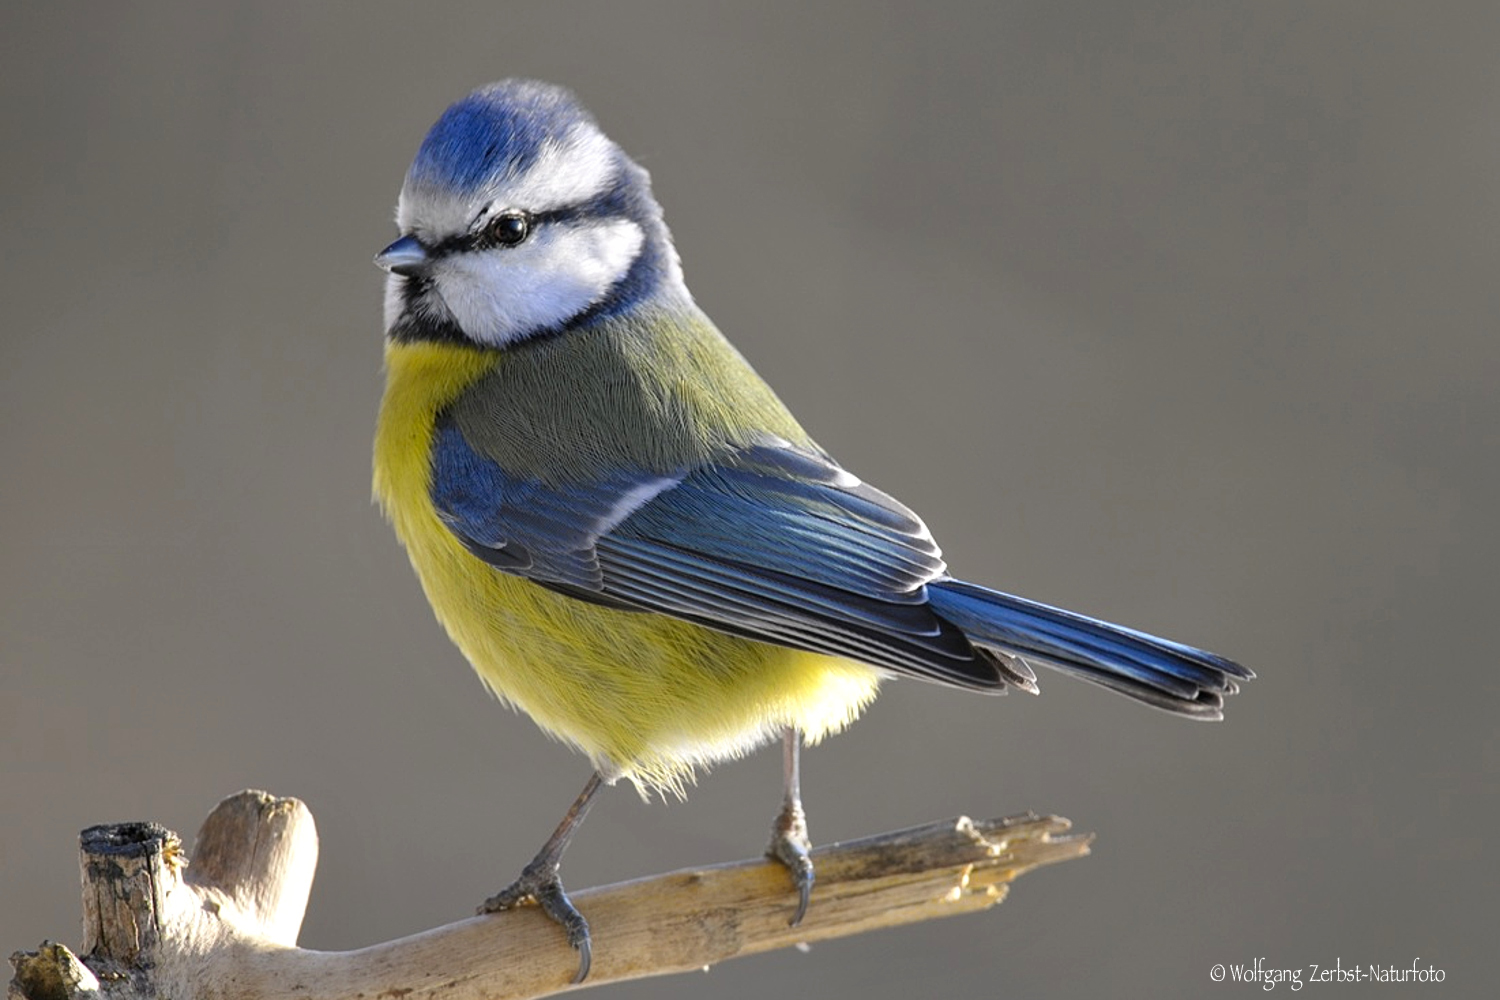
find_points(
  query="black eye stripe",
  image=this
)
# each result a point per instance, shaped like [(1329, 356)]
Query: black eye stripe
[(608, 204), (478, 238)]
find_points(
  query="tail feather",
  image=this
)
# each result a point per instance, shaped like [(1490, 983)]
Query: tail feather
[(1159, 672)]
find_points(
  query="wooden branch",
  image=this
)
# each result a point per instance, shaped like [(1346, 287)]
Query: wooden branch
[(226, 926)]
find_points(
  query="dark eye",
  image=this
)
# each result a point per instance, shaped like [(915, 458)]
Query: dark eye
[(508, 229)]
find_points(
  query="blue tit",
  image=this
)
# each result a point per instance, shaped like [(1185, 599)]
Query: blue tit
[(618, 522)]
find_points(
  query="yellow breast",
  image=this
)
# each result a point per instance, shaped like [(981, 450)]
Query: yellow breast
[(647, 697)]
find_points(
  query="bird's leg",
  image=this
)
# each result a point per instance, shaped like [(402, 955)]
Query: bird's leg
[(540, 881), (789, 843)]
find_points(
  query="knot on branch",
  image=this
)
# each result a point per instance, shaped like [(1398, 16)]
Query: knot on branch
[(148, 916)]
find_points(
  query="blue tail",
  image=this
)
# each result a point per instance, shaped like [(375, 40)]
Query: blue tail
[(1156, 671)]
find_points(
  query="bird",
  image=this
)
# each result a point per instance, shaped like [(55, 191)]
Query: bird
[(621, 526)]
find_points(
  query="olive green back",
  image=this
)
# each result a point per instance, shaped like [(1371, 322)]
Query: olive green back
[(661, 391)]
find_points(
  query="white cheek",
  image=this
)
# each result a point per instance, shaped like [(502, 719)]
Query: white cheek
[(500, 296)]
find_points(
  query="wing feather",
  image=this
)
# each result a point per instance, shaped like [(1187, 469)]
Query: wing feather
[(772, 542)]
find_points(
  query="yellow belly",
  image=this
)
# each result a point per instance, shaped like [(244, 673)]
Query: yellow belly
[(647, 697)]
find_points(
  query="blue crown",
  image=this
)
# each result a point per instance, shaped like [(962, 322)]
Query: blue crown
[(498, 130)]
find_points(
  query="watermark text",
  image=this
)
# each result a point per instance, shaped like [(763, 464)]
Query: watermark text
[(1266, 975)]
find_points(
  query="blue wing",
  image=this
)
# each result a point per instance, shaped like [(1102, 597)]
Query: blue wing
[(772, 542), (777, 543)]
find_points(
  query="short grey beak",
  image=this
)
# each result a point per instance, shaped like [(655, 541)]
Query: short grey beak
[(406, 257)]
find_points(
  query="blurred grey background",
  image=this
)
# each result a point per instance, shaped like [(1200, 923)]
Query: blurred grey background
[(1183, 315)]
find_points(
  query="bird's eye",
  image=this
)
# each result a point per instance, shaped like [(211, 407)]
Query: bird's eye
[(508, 229)]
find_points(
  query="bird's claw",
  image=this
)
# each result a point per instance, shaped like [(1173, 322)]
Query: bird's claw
[(542, 884), (790, 845)]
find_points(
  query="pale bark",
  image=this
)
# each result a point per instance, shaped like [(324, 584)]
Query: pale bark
[(226, 925)]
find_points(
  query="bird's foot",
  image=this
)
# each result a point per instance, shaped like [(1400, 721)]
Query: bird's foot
[(541, 883), (790, 846)]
